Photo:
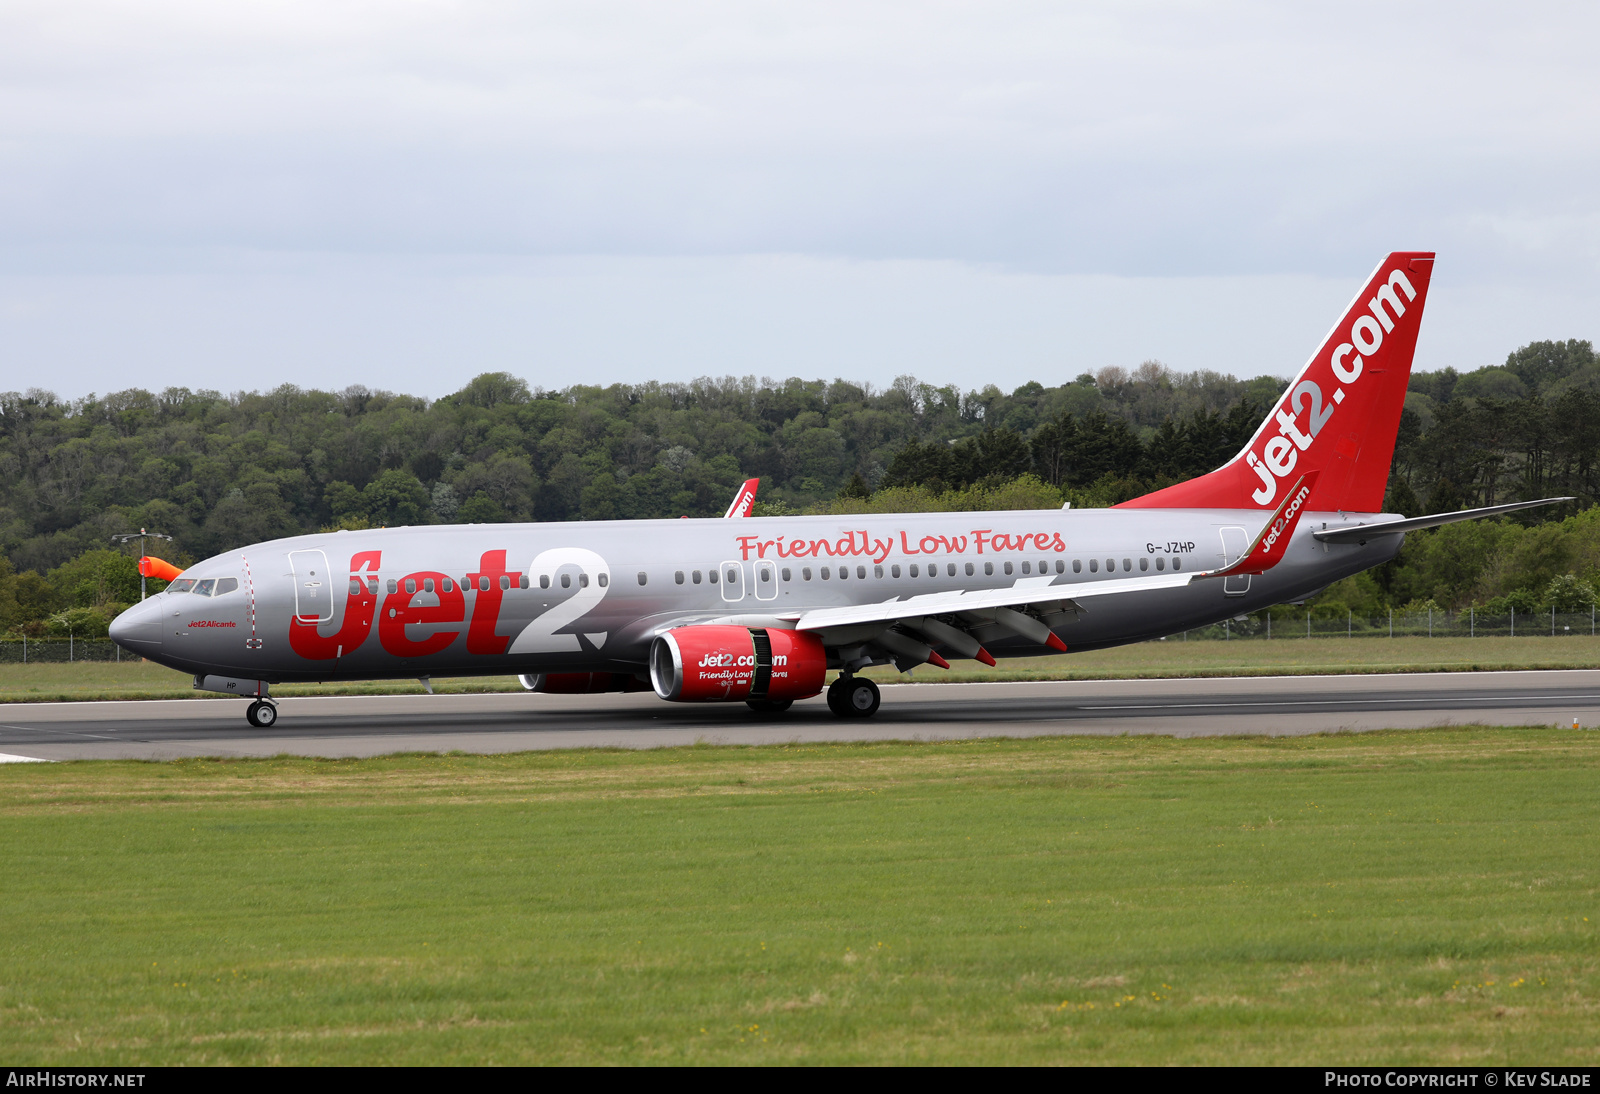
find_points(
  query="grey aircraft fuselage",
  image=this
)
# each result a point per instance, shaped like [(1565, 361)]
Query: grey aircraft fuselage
[(458, 600)]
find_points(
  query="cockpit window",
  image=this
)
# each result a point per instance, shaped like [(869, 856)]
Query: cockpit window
[(225, 585), (204, 587), (182, 585)]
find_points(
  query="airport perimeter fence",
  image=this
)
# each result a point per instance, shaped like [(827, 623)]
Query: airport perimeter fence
[(1439, 624), (32, 651)]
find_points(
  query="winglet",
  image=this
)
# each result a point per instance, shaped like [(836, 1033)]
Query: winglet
[(744, 499), (1268, 549)]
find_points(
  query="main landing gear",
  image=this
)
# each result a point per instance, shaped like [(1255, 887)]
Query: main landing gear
[(853, 697), (262, 714)]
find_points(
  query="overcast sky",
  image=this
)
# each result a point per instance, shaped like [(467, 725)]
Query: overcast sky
[(406, 194)]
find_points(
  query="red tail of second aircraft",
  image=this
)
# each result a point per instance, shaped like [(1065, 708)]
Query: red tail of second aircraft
[(1338, 418)]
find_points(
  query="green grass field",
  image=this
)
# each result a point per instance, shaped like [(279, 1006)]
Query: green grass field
[(1417, 897), (144, 680)]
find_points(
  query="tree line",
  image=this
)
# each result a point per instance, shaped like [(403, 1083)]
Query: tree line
[(218, 471)]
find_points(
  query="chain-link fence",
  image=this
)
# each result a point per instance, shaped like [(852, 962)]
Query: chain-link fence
[(1465, 624), (28, 651)]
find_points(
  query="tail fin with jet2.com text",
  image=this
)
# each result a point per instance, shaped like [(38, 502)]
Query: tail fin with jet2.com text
[(1338, 417)]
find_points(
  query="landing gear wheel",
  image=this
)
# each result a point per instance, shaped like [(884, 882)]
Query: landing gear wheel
[(769, 706), (853, 697), (862, 699), (261, 714), (836, 697)]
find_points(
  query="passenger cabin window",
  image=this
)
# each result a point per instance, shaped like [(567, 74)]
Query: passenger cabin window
[(411, 584), (1008, 569), (583, 581), (1127, 564), (861, 572), (505, 583), (988, 569), (644, 579), (1027, 567), (786, 574), (711, 575), (844, 573), (394, 586), (805, 572), (825, 573), (913, 569), (971, 569), (950, 568), (427, 584), (877, 571), (1077, 566), (1094, 565), (605, 579), (695, 577), (1061, 566), (1161, 564), (544, 581), (894, 571), (678, 577), (733, 575), (522, 581), (1144, 564), (1111, 565), (566, 581), (1177, 564)]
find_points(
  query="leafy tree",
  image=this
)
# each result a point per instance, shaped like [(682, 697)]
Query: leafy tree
[(396, 497)]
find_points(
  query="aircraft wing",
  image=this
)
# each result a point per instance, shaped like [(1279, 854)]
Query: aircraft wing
[(1028, 592), (1025, 608)]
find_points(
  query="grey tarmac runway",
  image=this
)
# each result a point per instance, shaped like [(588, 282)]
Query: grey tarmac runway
[(374, 725)]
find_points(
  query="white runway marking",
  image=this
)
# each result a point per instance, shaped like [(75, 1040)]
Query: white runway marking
[(6, 758)]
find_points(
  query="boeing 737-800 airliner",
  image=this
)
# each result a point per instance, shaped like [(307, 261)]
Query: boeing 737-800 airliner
[(757, 610)]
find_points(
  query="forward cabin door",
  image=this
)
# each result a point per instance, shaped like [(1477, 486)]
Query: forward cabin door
[(313, 586), (1235, 542)]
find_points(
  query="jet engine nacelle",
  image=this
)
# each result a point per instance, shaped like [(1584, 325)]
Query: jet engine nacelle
[(582, 683), (726, 664)]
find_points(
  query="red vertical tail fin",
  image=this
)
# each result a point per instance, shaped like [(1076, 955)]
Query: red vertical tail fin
[(1338, 417)]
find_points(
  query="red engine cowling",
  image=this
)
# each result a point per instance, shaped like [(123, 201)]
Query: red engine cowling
[(583, 683), (717, 664)]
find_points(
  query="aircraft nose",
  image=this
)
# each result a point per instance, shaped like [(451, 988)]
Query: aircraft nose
[(139, 626)]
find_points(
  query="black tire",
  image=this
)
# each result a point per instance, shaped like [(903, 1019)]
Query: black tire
[(261, 715), (769, 706), (836, 697), (861, 699)]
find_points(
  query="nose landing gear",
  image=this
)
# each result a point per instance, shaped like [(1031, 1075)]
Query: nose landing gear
[(853, 697), (261, 714)]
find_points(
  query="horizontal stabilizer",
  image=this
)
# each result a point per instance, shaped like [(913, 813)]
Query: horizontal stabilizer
[(1360, 533)]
